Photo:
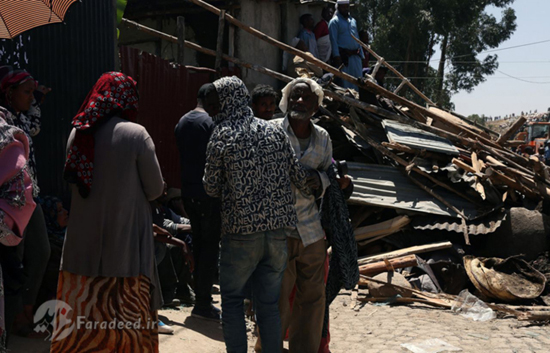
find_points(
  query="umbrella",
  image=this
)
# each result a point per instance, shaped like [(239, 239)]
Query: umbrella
[(18, 16)]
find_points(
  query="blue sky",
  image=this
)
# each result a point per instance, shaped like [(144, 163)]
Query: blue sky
[(500, 94)]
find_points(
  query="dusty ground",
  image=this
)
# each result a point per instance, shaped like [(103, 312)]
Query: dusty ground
[(367, 329)]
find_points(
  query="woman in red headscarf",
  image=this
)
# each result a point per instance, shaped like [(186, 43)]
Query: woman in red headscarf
[(108, 275)]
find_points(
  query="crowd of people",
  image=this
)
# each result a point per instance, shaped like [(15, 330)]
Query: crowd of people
[(256, 209), (331, 40), (260, 205)]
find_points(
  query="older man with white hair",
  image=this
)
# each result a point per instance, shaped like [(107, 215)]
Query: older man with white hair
[(306, 241)]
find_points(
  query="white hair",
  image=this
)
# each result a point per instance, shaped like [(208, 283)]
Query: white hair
[(315, 88)]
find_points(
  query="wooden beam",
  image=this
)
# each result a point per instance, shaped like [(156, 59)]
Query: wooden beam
[(383, 228), (394, 70), (382, 266), (181, 39), (413, 250), (511, 130), (370, 86), (219, 43)]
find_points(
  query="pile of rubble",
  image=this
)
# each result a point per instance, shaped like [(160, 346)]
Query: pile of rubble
[(439, 204)]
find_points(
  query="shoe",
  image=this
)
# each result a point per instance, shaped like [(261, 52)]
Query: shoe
[(173, 304), (211, 314), (186, 295), (187, 299), (215, 289), (165, 329)]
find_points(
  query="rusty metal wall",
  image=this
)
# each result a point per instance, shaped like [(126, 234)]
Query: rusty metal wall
[(69, 58), (166, 93)]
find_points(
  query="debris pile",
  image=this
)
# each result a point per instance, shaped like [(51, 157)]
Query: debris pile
[(446, 203)]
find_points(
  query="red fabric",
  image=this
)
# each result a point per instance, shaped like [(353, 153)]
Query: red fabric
[(113, 94), (321, 29), (14, 77), (10, 77)]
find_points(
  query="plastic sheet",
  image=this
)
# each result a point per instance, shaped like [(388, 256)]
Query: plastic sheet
[(470, 306), (434, 345)]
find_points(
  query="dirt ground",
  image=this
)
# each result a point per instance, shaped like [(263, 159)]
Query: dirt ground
[(363, 328)]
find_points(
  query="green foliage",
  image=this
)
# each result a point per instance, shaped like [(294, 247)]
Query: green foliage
[(409, 31), (480, 120), (120, 7)]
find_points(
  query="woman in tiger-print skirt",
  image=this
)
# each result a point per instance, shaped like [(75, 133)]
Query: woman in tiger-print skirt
[(108, 290)]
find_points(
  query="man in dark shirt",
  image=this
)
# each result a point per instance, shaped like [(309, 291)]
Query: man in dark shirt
[(192, 134)]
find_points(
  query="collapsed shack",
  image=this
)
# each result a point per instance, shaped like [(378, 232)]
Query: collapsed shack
[(444, 202)]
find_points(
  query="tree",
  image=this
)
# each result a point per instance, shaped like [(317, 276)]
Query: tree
[(409, 31), (476, 119)]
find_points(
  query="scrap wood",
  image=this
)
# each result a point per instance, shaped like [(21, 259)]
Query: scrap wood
[(353, 299), (433, 302), (511, 130), (387, 265), (394, 70), (466, 167), (361, 131), (363, 213), (413, 250), (284, 78), (508, 157), (479, 177), (370, 86), (456, 122), (513, 143), (383, 228), (499, 178), (447, 300), (371, 240)]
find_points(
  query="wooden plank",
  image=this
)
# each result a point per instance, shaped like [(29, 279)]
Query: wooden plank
[(370, 86), (381, 266), (511, 131), (413, 250), (219, 43), (464, 166), (405, 81), (363, 213), (181, 39), (383, 228)]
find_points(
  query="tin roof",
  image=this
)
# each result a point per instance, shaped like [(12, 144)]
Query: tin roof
[(386, 186), (416, 138)]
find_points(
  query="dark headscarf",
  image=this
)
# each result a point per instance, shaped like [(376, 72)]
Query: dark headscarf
[(113, 94)]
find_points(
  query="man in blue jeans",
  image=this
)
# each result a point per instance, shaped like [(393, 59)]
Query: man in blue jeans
[(250, 165)]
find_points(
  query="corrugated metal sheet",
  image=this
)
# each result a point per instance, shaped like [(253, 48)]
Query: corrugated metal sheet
[(416, 138), (166, 93), (485, 225), (386, 186), (69, 58)]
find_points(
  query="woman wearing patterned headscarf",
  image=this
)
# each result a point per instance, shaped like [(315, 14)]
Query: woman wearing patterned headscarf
[(16, 205), (108, 268), (17, 96)]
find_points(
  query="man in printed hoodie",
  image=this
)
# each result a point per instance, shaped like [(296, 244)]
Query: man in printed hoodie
[(250, 165)]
